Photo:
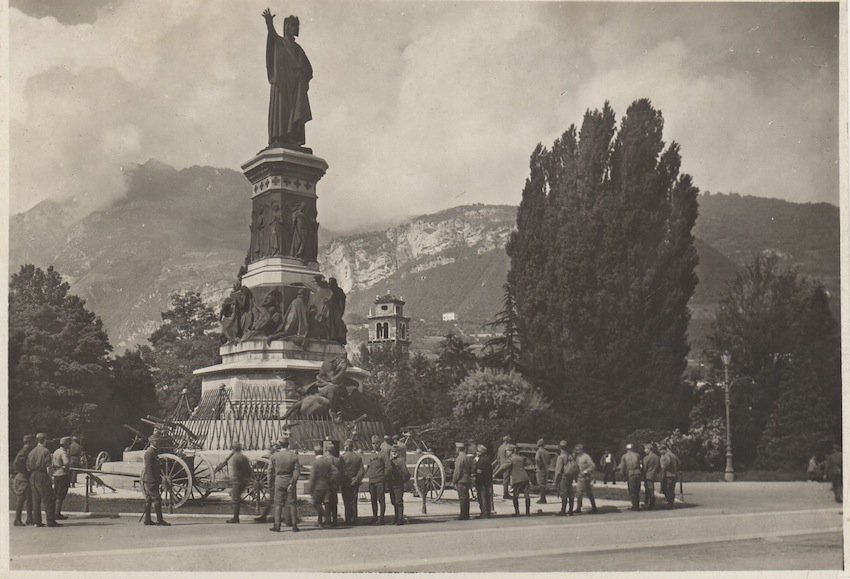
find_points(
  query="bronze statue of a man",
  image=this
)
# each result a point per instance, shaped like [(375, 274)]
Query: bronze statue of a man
[(289, 73)]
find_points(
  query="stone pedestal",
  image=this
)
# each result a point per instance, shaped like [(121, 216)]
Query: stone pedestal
[(284, 225)]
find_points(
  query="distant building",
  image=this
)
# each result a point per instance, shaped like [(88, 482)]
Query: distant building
[(388, 324), (449, 317)]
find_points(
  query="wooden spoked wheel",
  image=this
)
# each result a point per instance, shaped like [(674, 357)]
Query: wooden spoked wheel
[(203, 477), (430, 477), (259, 483), (102, 457), (176, 480)]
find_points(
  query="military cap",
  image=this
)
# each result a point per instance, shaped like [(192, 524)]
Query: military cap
[(376, 438), (28, 438), (540, 442), (41, 436), (629, 446), (459, 446), (579, 448), (481, 448), (65, 440), (563, 444), (75, 438), (387, 437), (396, 448), (506, 438), (662, 447)]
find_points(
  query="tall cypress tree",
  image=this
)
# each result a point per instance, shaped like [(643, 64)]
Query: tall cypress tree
[(602, 264)]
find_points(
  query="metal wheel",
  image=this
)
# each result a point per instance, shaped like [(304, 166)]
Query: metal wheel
[(176, 476), (203, 477), (430, 477), (259, 483), (102, 457)]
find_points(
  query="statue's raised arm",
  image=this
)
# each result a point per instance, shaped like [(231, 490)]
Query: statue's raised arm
[(289, 73)]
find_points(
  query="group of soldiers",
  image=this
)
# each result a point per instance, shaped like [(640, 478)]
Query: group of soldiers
[(573, 476), (331, 474), (43, 477)]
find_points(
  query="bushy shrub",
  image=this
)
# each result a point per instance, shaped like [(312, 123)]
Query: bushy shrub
[(492, 394)]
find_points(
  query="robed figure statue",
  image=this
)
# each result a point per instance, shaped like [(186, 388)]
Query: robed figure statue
[(289, 74)]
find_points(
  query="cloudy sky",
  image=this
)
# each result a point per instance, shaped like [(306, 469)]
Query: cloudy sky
[(419, 106)]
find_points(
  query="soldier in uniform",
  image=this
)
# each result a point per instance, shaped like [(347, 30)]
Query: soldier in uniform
[(387, 446), (319, 485), (586, 466), (352, 475), (651, 466), (21, 483), (397, 476), (264, 516), (541, 462), (151, 479), (833, 473), (332, 504), (75, 452), (608, 464), (631, 469), (284, 469), (39, 463), (520, 483), (566, 472), (462, 478), (241, 476), (502, 458), (376, 471), (61, 475), (669, 474), (482, 469)]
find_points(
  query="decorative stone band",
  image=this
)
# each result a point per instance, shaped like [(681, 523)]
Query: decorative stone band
[(284, 170)]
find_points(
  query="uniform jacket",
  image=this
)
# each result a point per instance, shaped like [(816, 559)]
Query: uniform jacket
[(240, 469), (377, 469), (482, 468), (20, 464), (151, 474), (501, 454), (61, 462), (397, 473), (386, 448), (651, 466), (352, 466), (833, 464), (565, 467), (463, 469), (630, 464), (669, 465), (586, 466), (76, 453), (320, 475), (541, 459), (284, 467), (336, 471), (515, 469), (39, 459)]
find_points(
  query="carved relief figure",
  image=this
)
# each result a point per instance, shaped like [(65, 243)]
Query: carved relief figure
[(260, 231), (296, 322), (228, 317), (337, 329), (299, 231), (312, 250), (275, 230), (243, 301), (320, 308)]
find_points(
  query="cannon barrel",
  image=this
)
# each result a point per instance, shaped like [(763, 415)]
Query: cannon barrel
[(134, 431)]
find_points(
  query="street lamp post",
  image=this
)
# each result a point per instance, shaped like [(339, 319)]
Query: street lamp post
[(726, 357)]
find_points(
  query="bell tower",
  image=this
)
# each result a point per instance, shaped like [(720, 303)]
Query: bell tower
[(388, 324)]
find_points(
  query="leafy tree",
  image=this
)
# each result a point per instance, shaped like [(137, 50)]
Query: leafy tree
[(187, 340), (504, 351), (781, 334), (602, 268), (487, 394), (59, 378)]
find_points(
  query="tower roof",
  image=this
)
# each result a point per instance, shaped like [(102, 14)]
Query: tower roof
[(389, 299)]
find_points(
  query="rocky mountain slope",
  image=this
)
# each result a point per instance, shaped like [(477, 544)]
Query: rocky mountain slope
[(188, 229)]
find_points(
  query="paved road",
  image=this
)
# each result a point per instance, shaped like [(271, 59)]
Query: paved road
[(725, 527)]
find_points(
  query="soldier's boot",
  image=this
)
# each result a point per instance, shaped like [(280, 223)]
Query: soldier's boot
[(322, 516), (464, 509), (400, 514), (593, 508), (527, 506), (148, 520), (578, 507), (542, 499), (159, 520), (278, 515), (59, 516), (563, 510), (570, 512), (293, 516), (515, 499), (235, 517)]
